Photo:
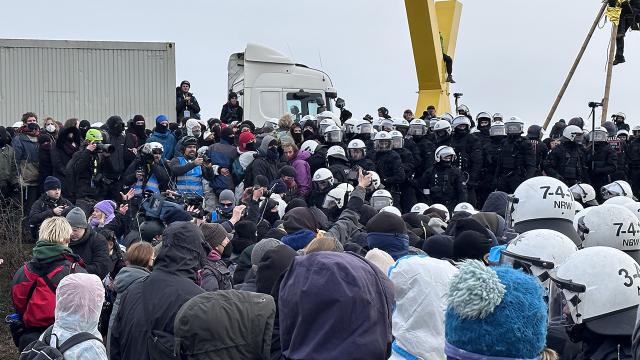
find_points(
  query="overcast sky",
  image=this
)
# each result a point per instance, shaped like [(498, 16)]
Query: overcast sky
[(512, 55)]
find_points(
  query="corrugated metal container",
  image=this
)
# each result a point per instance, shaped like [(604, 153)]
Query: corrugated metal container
[(86, 79)]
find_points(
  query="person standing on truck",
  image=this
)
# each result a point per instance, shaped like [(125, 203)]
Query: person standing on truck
[(231, 111), (186, 104)]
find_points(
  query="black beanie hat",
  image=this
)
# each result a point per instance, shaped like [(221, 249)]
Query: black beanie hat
[(52, 183), (232, 95), (366, 213), (288, 170), (439, 246), (468, 223), (387, 223), (471, 245), (274, 233), (295, 203), (245, 236), (227, 133)]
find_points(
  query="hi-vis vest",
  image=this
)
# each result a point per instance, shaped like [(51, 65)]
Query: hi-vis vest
[(191, 181), (151, 185)]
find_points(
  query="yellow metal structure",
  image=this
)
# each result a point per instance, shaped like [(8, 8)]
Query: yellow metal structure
[(427, 20)]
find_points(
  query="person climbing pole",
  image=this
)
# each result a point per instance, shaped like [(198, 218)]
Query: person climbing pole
[(629, 18), (448, 61)]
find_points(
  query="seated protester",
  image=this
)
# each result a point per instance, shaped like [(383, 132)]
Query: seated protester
[(271, 265), (216, 274), (324, 243), (381, 259), (388, 232), (470, 244), (190, 169), (50, 204), (302, 177), (421, 284), (144, 324), (257, 250), (302, 224), (225, 325), (318, 324), (439, 247), (51, 257), (148, 172), (265, 162), (79, 301), (9, 184), (245, 235), (88, 244), (139, 261)]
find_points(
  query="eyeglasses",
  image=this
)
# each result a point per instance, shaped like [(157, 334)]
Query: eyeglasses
[(226, 204)]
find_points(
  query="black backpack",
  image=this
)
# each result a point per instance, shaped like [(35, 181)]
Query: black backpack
[(41, 350)]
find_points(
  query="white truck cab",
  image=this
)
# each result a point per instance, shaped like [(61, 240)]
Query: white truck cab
[(270, 84)]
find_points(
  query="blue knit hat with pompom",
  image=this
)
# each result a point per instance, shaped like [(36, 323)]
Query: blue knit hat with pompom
[(496, 312)]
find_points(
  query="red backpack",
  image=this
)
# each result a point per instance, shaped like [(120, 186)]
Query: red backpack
[(35, 298)]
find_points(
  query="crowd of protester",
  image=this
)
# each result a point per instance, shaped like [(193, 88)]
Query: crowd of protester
[(312, 237)]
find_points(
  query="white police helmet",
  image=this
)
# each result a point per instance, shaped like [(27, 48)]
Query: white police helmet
[(537, 252), (596, 287), (419, 208), (380, 199), (310, 146), (391, 209), (584, 193), (611, 225), (617, 188)]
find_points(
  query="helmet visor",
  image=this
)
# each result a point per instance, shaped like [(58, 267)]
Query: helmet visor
[(333, 136), (322, 185), (416, 130), (526, 263), (497, 131), (366, 129), (379, 202), (398, 142), (513, 128), (382, 145), (323, 127), (564, 302), (329, 202), (356, 154)]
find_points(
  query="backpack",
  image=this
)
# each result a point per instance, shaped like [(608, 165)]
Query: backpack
[(39, 293), (41, 350), (237, 171)]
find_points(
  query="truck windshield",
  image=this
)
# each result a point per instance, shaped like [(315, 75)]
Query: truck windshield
[(301, 107)]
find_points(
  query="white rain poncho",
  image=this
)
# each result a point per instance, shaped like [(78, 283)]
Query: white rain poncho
[(420, 285), (79, 299)]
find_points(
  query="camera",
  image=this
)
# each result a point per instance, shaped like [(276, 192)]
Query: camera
[(593, 104), (108, 148), (457, 95), (354, 173)]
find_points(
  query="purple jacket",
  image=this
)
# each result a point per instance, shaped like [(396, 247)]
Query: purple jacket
[(303, 172)]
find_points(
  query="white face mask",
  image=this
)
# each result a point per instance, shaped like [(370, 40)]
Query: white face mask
[(50, 128)]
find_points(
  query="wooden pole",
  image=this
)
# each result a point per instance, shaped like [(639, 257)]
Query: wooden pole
[(607, 86), (554, 107)]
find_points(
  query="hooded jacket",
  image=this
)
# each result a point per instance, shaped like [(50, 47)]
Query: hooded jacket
[(420, 284), (148, 308), (261, 164), (64, 150), (92, 248), (8, 168), (352, 321), (496, 202), (227, 324), (79, 299), (168, 141), (273, 263), (303, 172)]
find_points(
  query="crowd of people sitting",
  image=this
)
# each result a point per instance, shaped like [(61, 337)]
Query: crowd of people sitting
[(313, 238)]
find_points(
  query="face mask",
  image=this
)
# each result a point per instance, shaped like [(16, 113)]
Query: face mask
[(272, 154), (297, 137), (50, 128), (459, 131), (307, 134), (32, 126), (162, 128), (228, 251), (196, 134), (250, 146)]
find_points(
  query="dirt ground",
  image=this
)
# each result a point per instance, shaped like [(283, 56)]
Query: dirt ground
[(14, 253)]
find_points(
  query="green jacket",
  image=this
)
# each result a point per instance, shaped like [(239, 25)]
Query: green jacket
[(8, 169)]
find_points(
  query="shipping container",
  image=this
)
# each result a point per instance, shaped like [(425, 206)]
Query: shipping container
[(89, 80)]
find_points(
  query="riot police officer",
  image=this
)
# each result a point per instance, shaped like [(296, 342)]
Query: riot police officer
[(565, 162), (633, 161), (601, 160), (516, 160), (407, 195), (469, 155), (388, 164), (484, 137), (540, 149), (444, 184)]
